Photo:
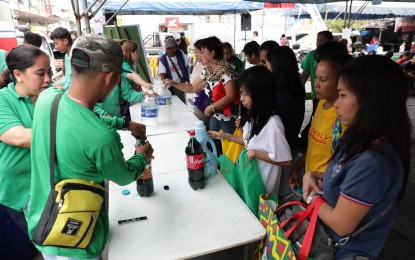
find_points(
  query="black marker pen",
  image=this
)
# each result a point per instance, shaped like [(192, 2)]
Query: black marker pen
[(131, 220)]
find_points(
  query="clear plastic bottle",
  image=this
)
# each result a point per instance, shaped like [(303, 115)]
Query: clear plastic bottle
[(150, 111), (164, 101)]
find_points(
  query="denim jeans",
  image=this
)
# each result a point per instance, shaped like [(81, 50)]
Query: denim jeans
[(226, 126)]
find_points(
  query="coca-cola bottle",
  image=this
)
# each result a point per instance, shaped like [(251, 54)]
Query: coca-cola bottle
[(194, 163), (145, 186)]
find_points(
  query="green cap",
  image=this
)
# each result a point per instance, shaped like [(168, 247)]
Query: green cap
[(104, 53)]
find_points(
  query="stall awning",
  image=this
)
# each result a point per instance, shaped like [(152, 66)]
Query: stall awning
[(183, 7)]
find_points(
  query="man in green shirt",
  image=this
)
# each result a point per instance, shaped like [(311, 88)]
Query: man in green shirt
[(86, 147), (309, 65), (63, 42)]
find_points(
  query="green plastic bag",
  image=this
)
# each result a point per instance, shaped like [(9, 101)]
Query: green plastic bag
[(245, 179)]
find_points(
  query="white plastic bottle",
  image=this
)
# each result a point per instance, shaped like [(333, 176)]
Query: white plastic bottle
[(164, 102), (150, 111)]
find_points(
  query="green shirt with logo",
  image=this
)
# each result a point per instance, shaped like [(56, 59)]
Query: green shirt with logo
[(15, 110), (86, 148)]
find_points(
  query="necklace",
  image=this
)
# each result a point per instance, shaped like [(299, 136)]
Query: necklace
[(79, 101)]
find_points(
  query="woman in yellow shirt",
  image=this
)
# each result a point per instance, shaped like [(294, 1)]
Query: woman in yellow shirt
[(320, 135)]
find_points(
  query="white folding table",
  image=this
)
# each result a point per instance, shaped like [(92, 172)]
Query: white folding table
[(181, 223)]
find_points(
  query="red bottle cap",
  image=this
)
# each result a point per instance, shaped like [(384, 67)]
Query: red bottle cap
[(192, 132)]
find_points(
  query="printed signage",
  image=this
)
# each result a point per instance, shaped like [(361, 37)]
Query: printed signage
[(171, 21)]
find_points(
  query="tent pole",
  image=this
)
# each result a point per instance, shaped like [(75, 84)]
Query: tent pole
[(262, 25), (86, 17), (349, 15), (345, 15), (354, 18), (75, 8), (116, 12), (234, 30)]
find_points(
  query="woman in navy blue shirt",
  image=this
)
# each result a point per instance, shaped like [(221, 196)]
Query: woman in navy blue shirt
[(370, 167)]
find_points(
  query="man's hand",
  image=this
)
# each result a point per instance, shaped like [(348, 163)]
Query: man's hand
[(145, 149), (137, 130)]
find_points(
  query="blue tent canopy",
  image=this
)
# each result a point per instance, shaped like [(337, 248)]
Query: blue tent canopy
[(384, 10), (184, 7)]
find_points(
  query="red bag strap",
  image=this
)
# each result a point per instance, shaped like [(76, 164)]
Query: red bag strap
[(308, 237), (301, 217), (294, 202)]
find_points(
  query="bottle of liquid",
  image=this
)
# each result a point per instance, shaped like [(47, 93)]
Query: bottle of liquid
[(209, 149), (150, 111), (194, 163), (145, 185), (164, 102)]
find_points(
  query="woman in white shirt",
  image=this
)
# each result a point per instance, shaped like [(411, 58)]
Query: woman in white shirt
[(263, 132)]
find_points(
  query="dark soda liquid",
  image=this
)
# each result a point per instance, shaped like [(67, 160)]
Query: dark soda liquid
[(145, 187)]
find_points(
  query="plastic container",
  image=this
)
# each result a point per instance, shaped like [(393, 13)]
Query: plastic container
[(195, 163), (150, 111), (164, 102), (209, 148)]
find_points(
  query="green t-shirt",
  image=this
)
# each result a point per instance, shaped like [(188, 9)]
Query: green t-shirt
[(86, 148), (66, 82), (15, 110), (3, 64), (309, 66), (125, 90)]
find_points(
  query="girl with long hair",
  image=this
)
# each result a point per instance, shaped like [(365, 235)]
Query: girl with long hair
[(370, 167), (320, 136), (263, 132)]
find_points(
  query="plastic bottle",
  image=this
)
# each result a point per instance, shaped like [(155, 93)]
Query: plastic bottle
[(209, 148), (149, 111), (145, 185), (164, 101), (194, 163)]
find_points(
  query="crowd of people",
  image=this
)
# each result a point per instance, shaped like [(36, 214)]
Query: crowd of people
[(354, 152)]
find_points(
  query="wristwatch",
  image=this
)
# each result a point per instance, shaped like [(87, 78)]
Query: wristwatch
[(126, 123), (311, 197)]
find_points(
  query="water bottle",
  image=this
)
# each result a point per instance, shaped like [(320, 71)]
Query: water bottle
[(145, 185), (164, 102), (195, 163), (149, 111), (209, 148)]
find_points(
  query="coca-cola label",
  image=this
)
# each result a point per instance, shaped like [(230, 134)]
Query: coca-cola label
[(163, 101), (149, 112), (195, 161)]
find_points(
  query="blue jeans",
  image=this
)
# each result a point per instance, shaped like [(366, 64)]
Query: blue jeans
[(14, 240), (226, 126)]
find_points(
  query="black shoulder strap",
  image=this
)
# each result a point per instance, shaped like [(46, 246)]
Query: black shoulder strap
[(175, 68), (53, 116), (344, 240)]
